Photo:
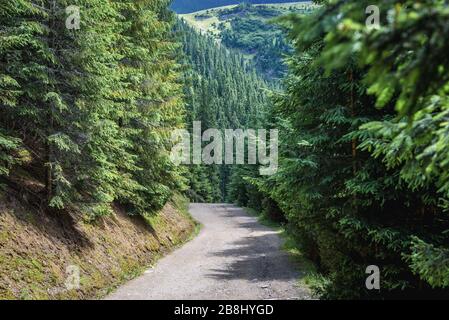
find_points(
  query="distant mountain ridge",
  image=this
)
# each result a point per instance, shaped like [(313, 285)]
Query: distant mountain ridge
[(188, 6), (246, 28)]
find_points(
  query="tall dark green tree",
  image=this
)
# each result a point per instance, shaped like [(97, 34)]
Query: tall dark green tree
[(151, 98), (93, 107), (223, 92), (360, 185)]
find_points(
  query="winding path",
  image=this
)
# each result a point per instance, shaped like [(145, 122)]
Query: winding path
[(233, 257)]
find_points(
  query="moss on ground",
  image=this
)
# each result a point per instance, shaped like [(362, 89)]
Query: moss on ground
[(36, 249)]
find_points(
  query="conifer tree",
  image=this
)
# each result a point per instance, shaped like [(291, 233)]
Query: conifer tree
[(93, 107), (351, 208), (222, 92)]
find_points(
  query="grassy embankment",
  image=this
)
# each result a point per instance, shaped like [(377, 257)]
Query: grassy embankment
[(37, 249)]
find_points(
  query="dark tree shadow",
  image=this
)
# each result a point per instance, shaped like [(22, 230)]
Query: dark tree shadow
[(138, 221), (257, 259)]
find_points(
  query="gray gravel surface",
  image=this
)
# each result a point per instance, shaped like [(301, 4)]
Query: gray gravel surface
[(233, 257)]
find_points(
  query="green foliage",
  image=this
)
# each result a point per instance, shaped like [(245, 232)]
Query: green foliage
[(151, 97), (8, 147), (223, 92), (430, 263), (363, 177), (94, 107), (363, 172), (251, 32), (406, 64), (407, 67)]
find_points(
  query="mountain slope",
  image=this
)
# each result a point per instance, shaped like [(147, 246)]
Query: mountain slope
[(187, 6), (250, 30), (222, 91)]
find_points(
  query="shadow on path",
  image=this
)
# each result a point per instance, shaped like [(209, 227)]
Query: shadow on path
[(255, 258)]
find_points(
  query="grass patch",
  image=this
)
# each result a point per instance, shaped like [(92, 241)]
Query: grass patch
[(181, 204)]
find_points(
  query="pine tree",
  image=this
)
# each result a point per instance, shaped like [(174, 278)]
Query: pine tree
[(355, 182), (222, 93), (151, 98), (93, 107)]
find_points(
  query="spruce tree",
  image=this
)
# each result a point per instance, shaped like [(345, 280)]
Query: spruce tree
[(358, 184), (94, 106), (222, 92)]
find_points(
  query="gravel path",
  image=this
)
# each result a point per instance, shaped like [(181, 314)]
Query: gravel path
[(233, 257)]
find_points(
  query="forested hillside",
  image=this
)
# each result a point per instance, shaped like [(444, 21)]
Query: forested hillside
[(186, 6), (250, 29), (85, 125), (222, 91), (88, 114)]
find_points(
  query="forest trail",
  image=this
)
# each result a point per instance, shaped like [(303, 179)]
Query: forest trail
[(233, 257)]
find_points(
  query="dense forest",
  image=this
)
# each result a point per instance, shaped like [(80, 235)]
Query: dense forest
[(222, 91), (362, 113), (89, 114), (252, 31), (363, 169)]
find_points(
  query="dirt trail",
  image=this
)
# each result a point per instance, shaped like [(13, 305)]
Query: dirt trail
[(233, 257)]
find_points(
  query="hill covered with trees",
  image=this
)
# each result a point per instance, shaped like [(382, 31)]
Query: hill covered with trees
[(91, 120), (223, 91), (85, 132), (250, 29)]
